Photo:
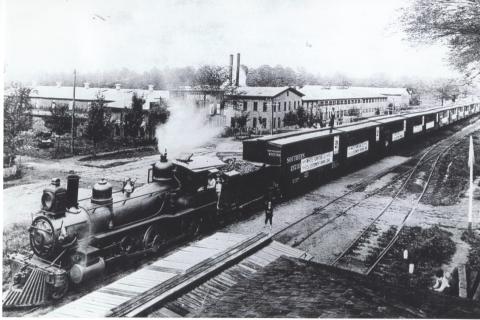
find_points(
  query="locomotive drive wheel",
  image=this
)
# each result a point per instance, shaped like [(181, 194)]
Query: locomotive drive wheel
[(59, 293), (152, 239)]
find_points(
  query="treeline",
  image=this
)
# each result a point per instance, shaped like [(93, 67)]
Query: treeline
[(216, 76)]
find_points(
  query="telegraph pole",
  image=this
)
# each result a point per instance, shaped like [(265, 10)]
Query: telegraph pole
[(73, 110)]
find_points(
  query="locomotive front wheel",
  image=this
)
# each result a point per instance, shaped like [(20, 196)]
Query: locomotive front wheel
[(59, 293)]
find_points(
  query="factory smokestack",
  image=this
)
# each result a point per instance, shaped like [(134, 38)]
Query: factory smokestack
[(237, 76), (230, 75)]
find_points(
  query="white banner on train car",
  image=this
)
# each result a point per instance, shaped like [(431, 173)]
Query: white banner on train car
[(398, 135), (445, 120), (317, 161), (357, 148), (423, 120), (430, 125), (404, 125), (377, 134), (336, 144), (417, 129)]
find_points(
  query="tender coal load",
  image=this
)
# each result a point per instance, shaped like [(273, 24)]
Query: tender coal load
[(240, 166)]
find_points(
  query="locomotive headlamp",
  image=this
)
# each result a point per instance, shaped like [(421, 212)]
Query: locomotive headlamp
[(48, 199)]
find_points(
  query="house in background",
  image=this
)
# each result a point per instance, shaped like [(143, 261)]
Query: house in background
[(117, 99)]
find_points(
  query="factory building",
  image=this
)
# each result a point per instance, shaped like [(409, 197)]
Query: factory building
[(266, 106)]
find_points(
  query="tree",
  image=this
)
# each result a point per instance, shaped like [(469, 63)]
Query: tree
[(60, 121), (455, 23), (134, 116), (446, 90), (17, 117), (210, 76), (290, 119), (98, 122), (158, 114), (301, 116), (241, 120)]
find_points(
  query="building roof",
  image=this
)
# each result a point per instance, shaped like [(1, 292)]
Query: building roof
[(263, 92), (315, 92), (116, 98)]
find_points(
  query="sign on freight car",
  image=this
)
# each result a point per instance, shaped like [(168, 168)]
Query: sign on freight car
[(377, 134), (357, 148), (336, 144), (417, 129), (430, 125), (445, 120), (404, 125), (423, 120), (317, 161), (398, 135), (274, 153), (296, 157)]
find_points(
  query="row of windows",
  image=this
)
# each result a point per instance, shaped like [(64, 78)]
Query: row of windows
[(262, 122), (346, 101), (277, 106)]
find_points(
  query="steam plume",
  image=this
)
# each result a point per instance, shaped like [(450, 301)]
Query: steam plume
[(186, 129)]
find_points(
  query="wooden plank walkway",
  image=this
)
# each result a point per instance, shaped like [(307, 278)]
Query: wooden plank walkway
[(166, 273), (191, 303)]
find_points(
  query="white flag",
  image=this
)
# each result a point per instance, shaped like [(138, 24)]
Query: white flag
[(471, 157)]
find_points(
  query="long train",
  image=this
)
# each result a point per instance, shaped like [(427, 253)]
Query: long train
[(73, 241)]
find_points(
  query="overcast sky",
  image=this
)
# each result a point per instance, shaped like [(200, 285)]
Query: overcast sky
[(356, 38)]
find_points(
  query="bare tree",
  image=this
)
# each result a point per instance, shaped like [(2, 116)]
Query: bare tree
[(456, 23)]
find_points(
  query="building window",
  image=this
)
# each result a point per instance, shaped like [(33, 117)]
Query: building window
[(245, 107), (265, 107), (285, 106), (294, 104), (273, 123), (289, 105), (255, 106), (279, 123), (274, 107)]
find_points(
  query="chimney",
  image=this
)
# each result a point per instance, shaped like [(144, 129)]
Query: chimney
[(117, 86), (86, 85), (237, 76), (150, 88), (59, 84), (230, 74)]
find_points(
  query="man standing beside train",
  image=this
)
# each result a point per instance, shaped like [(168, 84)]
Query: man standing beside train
[(332, 120), (269, 210)]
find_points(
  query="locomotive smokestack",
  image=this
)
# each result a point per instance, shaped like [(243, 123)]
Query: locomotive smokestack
[(72, 189), (237, 76), (230, 75)]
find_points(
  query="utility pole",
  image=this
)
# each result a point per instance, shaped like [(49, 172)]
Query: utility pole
[(73, 111), (471, 162)]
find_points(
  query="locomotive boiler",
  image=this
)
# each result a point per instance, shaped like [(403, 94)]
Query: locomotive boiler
[(75, 240)]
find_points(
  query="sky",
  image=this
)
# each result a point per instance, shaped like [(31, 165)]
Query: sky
[(351, 37)]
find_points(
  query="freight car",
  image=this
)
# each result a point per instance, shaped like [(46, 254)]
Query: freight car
[(307, 158), (74, 240)]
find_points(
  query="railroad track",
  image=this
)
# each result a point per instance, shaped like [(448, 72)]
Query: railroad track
[(359, 255), (429, 155)]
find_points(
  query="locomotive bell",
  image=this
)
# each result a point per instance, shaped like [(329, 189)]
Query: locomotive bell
[(163, 169), (102, 192)]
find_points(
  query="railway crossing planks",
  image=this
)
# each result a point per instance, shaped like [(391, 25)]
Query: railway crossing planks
[(192, 302), (181, 268)]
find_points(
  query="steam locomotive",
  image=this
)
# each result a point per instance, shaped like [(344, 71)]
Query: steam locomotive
[(75, 240)]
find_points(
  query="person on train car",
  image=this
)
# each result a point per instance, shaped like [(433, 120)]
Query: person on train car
[(332, 120), (218, 189)]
